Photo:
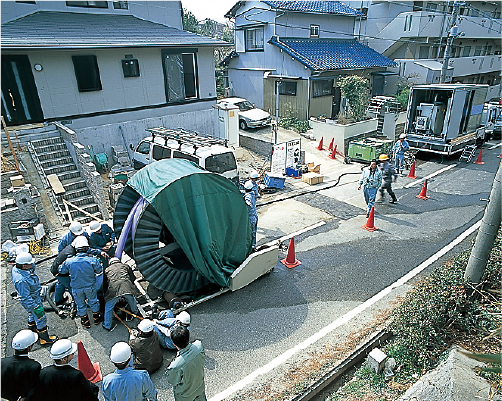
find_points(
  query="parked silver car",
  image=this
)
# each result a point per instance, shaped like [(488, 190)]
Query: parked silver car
[(249, 116)]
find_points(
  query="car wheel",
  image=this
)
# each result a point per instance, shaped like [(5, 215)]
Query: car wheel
[(243, 125), (347, 160)]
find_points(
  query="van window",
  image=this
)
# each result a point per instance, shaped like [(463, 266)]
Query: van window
[(221, 163), (143, 148), (160, 153), (181, 155)]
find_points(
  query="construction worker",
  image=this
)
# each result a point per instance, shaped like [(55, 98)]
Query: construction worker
[(388, 175), (145, 347), (102, 237), (254, 176), (83, 270), (250, 199), (371, 179), (118, 283), (63, 280), (76, 229), (166, 322), (20, 374), (400, 147), (126, 383), (186, 371), (62, 382), (28, 289)]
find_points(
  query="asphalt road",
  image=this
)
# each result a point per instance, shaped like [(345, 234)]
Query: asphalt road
[(342, 267)]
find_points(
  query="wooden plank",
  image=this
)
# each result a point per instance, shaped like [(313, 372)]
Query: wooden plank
[(10, 144), (56, 185), (82, 210)]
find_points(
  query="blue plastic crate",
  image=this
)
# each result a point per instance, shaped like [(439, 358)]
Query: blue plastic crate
[(293, 172), (274, 181)]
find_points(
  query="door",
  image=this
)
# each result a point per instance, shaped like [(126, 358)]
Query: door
[(378, 85), (337, 97), (20, 102)]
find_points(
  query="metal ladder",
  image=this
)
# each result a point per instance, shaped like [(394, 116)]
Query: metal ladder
[(468, 153)]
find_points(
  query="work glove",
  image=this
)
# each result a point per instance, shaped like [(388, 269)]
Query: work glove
[(39, 311)]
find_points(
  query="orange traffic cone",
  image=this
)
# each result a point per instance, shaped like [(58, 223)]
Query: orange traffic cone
[(370, 223), (330, 147), (333, 154), (480, 157), (411, 174), (320, 144), (290, 260), (500, 156), (92, 372), (423, 192)]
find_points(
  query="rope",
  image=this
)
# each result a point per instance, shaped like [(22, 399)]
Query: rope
[(40, 247), (120, 320)]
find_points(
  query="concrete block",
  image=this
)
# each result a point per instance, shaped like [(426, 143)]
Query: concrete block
[(376, 360), (17, 181)]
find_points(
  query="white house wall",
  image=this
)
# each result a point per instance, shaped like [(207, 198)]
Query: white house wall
[(162, 12), (297, 25)]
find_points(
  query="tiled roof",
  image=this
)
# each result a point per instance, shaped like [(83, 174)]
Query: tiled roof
[(322, 7), (51, 29), (332, 54)]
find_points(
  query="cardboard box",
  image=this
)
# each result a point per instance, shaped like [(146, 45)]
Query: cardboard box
[(312, 178), (314, 168), (17, 181)]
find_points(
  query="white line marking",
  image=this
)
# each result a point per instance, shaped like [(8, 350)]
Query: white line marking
[(430, 176), (276, 241), (495, 146), (343, 319)]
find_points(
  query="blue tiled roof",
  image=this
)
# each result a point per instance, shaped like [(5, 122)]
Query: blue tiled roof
[(318, 7), (332, 54), (323, 7)]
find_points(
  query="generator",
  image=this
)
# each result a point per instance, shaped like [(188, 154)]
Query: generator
[(368, 149)]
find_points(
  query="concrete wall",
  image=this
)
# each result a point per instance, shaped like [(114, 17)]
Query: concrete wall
[(162, 12)]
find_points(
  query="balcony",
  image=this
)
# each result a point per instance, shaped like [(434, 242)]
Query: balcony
[(475, 65)]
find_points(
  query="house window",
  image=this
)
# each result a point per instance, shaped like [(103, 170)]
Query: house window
[(474, 12), (322, 87), (496, 14), (87, 73), (120, 5), (180, 72), (88, 4), (466, 51), (477, 50), (254, 39), (424, 52), (314, 31), (130, 67), (432, 6), (287, 88)]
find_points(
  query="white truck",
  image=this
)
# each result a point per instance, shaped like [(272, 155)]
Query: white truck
[(445, 118)]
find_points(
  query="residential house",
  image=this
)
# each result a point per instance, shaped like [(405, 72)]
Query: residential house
[(103, 63), (302, 48), (414, 35)]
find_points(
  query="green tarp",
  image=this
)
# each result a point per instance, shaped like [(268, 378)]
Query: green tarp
[(205, 212)]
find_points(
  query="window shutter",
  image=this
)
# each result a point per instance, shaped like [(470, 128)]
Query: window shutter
[(239, 41)]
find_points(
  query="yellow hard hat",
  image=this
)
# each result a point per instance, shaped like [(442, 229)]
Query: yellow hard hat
[(383, 157)]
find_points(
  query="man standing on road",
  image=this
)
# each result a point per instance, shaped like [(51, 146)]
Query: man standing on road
[(28, 290), (371, 179), (166, 322), (388, 174), (186, 371), (250, 199), (400, 147), (127, 384), (83, 269), (20, 374), (62, 382)]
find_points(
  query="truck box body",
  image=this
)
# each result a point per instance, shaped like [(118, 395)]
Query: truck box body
[(444, 118)]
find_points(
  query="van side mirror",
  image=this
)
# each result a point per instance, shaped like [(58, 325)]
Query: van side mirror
[(130, 146)]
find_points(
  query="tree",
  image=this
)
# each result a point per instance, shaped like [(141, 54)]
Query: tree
[(190, 22), (355, 89)]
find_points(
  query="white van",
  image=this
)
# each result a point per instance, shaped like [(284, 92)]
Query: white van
[(209, 153)]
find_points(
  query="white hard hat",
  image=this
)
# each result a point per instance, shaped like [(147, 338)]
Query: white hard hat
[(254, 174), (94, 226), (120, 353), (24, 258), (146, 326), (113, 260), (80, 242), (402, 136), (62, 348), (183, 317), (23, 339), (248, 185), (76, 228)]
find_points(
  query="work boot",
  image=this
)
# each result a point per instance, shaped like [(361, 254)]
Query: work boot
[(393, 200), (45, 338), (32, 326), (98, 317), (84, 320)]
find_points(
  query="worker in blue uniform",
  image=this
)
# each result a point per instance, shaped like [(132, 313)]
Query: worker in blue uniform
[(254, 176), (102, 237), (76, 230), (371, 180), (126, 383), (83, 270), (28, 290), (400, 147), (20, 374), (250, 199), (166, 322)]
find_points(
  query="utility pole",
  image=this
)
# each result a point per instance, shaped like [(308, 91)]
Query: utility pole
[(487, 233), (452, 34), (278, 83)]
